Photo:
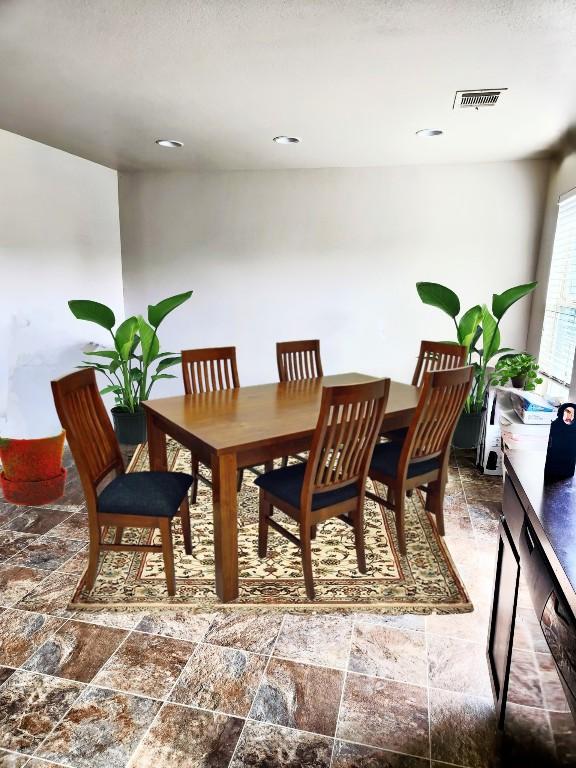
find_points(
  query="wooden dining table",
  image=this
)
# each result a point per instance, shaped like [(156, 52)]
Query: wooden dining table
[(247, 426)]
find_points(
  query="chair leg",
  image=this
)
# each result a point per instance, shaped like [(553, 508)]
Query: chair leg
[(306, 552), (284, 461), (168, 555), (358, 520), (92, 570), (194, 492), (269, 466), (265, 512), (239, 480), (435, 504), (118, 536), (400, 523), (313, 531), (185, 522)]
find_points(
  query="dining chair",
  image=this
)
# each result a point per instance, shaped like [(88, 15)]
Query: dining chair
[(421, 459), (332, 481), (113, 496), (212, 369), (437, 356), (433, 356), (299, 360)]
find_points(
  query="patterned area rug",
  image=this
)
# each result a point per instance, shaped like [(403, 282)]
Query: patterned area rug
[(424, 581)]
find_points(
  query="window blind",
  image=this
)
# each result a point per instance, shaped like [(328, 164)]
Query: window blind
[(559, 330)]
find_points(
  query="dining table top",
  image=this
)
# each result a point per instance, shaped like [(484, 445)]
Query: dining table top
[(254, 416)]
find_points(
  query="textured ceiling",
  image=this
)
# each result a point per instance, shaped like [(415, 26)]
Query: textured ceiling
[(354, 78)]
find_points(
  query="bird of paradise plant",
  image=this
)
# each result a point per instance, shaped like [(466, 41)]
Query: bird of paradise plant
[(478, 329), (134, 363)]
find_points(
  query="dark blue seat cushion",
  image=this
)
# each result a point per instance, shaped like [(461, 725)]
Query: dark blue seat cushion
[(385, 462), (286, 484), (155, 494)]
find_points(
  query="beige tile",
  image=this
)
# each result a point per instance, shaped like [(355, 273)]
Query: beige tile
[(148, 665), (388, 652), (299, 696), (319, 639), (385, 714), (458, 665), (223, 679), (188, 738), (462, 728)]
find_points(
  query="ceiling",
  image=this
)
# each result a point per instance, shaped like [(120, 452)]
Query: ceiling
[(354, 78)]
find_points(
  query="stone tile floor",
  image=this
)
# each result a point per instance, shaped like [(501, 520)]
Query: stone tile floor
[(171, 688)]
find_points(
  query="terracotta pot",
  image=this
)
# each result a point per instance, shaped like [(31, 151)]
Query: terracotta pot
[(32, 472), (33, 493), (32, 459)]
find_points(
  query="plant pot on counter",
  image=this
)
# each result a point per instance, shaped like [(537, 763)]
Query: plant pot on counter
[(130, 428), (467, 430), (519, 382), (32, 472)]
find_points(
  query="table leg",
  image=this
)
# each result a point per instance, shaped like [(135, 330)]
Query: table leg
[(224, 469), (156, 445)]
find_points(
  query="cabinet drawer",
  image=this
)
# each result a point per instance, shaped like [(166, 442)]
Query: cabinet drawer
[(559, 628), (535, 568), (513, 510)]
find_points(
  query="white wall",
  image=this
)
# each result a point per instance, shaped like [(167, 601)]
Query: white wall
[(59, 240), (562, 180), (333, 254)]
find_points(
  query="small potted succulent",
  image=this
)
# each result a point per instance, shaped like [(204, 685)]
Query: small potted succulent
[(32, 472), (520, 369), (133, 364)]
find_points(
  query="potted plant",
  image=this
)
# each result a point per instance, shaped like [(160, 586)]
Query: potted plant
[(134, 363), (521, 369), (478, 330), (32, 471)]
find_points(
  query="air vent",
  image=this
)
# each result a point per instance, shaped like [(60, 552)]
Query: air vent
[(485, 97)]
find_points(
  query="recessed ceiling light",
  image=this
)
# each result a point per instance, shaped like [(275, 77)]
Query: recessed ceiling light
[(170, 143), (427, 132), (286, 139)]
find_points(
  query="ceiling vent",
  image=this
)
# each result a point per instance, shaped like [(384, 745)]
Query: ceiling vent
[(484, 97)]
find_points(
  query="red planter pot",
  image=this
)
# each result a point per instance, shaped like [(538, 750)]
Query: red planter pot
[(32, 472)]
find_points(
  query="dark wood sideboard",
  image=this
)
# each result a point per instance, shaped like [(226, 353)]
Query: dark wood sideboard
[(537, 537)]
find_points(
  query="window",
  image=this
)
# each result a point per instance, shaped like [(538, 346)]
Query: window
[(559, 330)]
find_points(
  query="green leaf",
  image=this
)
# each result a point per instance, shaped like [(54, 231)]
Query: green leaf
[(167, 362), (113, 388), (468, 325), (148, 341), (491, 335), (93, 311), (94, 366), (110, 353), (439, 296), (124, 337), (501, 302), (162, 376), (157, 312)]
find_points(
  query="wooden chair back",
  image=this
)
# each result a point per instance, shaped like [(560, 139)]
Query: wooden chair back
[(436, 356), (346, 433), (89, 432), (209, 370), (442, 399), (299, 360)]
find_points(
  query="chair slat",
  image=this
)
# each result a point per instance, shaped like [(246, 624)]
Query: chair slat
[(435, 356), (298, 360), (209, 370)]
